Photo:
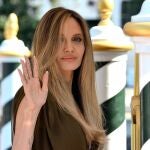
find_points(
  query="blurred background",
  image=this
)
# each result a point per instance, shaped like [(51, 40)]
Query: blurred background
[(30, 11)]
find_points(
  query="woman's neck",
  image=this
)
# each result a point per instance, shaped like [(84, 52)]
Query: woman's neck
[(68, 76)]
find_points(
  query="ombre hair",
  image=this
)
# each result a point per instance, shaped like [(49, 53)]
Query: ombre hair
[(44, 47)]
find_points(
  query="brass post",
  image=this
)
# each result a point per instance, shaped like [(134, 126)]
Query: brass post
[(135, 106)]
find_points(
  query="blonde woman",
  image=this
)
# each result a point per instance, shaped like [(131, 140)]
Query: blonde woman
[(57, 108)]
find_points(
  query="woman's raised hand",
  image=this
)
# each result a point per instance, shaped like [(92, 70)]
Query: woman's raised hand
[(35, 93)]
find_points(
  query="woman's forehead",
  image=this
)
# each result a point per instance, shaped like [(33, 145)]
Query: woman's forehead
[(71, 25)]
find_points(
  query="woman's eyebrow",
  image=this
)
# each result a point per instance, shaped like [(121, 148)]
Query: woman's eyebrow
[(78, 34)]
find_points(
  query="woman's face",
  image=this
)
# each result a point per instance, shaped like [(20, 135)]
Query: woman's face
[(71, 46)]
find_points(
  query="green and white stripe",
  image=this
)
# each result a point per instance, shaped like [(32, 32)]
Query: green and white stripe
[(9, 84), (110, 83), (144, 72)]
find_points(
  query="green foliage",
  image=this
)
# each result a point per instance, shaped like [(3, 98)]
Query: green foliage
[(27, 23)]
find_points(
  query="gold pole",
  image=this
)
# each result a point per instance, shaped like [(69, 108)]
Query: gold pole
[(135, 106), (137, 29), (136, 81), (133, 137)]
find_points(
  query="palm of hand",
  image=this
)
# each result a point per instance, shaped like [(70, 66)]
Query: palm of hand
[(35, 93)]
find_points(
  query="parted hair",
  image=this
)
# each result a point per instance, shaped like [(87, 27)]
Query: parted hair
[(44, 47)]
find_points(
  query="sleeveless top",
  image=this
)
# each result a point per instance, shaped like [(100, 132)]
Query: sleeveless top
[(54, 129)]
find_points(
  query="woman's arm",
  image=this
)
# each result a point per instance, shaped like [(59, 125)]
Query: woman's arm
[(29, 108), (25, 125)]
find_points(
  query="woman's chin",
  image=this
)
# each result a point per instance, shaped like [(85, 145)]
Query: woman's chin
[(69, 68)]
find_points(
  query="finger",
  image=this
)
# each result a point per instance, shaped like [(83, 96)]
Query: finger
[(35, 68), (28, 67), (23, 80), (45, 81), (24, 68)]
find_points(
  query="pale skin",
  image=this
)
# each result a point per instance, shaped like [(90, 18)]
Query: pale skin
[(68, 59), (35, 98)]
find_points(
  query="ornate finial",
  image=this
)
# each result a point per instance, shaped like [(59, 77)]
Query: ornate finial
[(12, 46), (106, 8), (105, 35), (11, 27), (140, 23)]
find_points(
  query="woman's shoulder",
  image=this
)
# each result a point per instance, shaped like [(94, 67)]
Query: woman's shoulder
[(19, 94), (15, 105), (17, 99)]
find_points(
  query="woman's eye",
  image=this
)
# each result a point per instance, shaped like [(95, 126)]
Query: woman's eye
[(77, 39)]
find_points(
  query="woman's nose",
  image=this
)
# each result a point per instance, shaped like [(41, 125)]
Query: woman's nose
[(68, 46)]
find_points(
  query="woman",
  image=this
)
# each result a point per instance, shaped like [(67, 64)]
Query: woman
[(57, 108)]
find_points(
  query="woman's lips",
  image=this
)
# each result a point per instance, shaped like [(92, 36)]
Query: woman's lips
[(68, 58)]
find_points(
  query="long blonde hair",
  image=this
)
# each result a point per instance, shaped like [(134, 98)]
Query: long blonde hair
[(45, 47)]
